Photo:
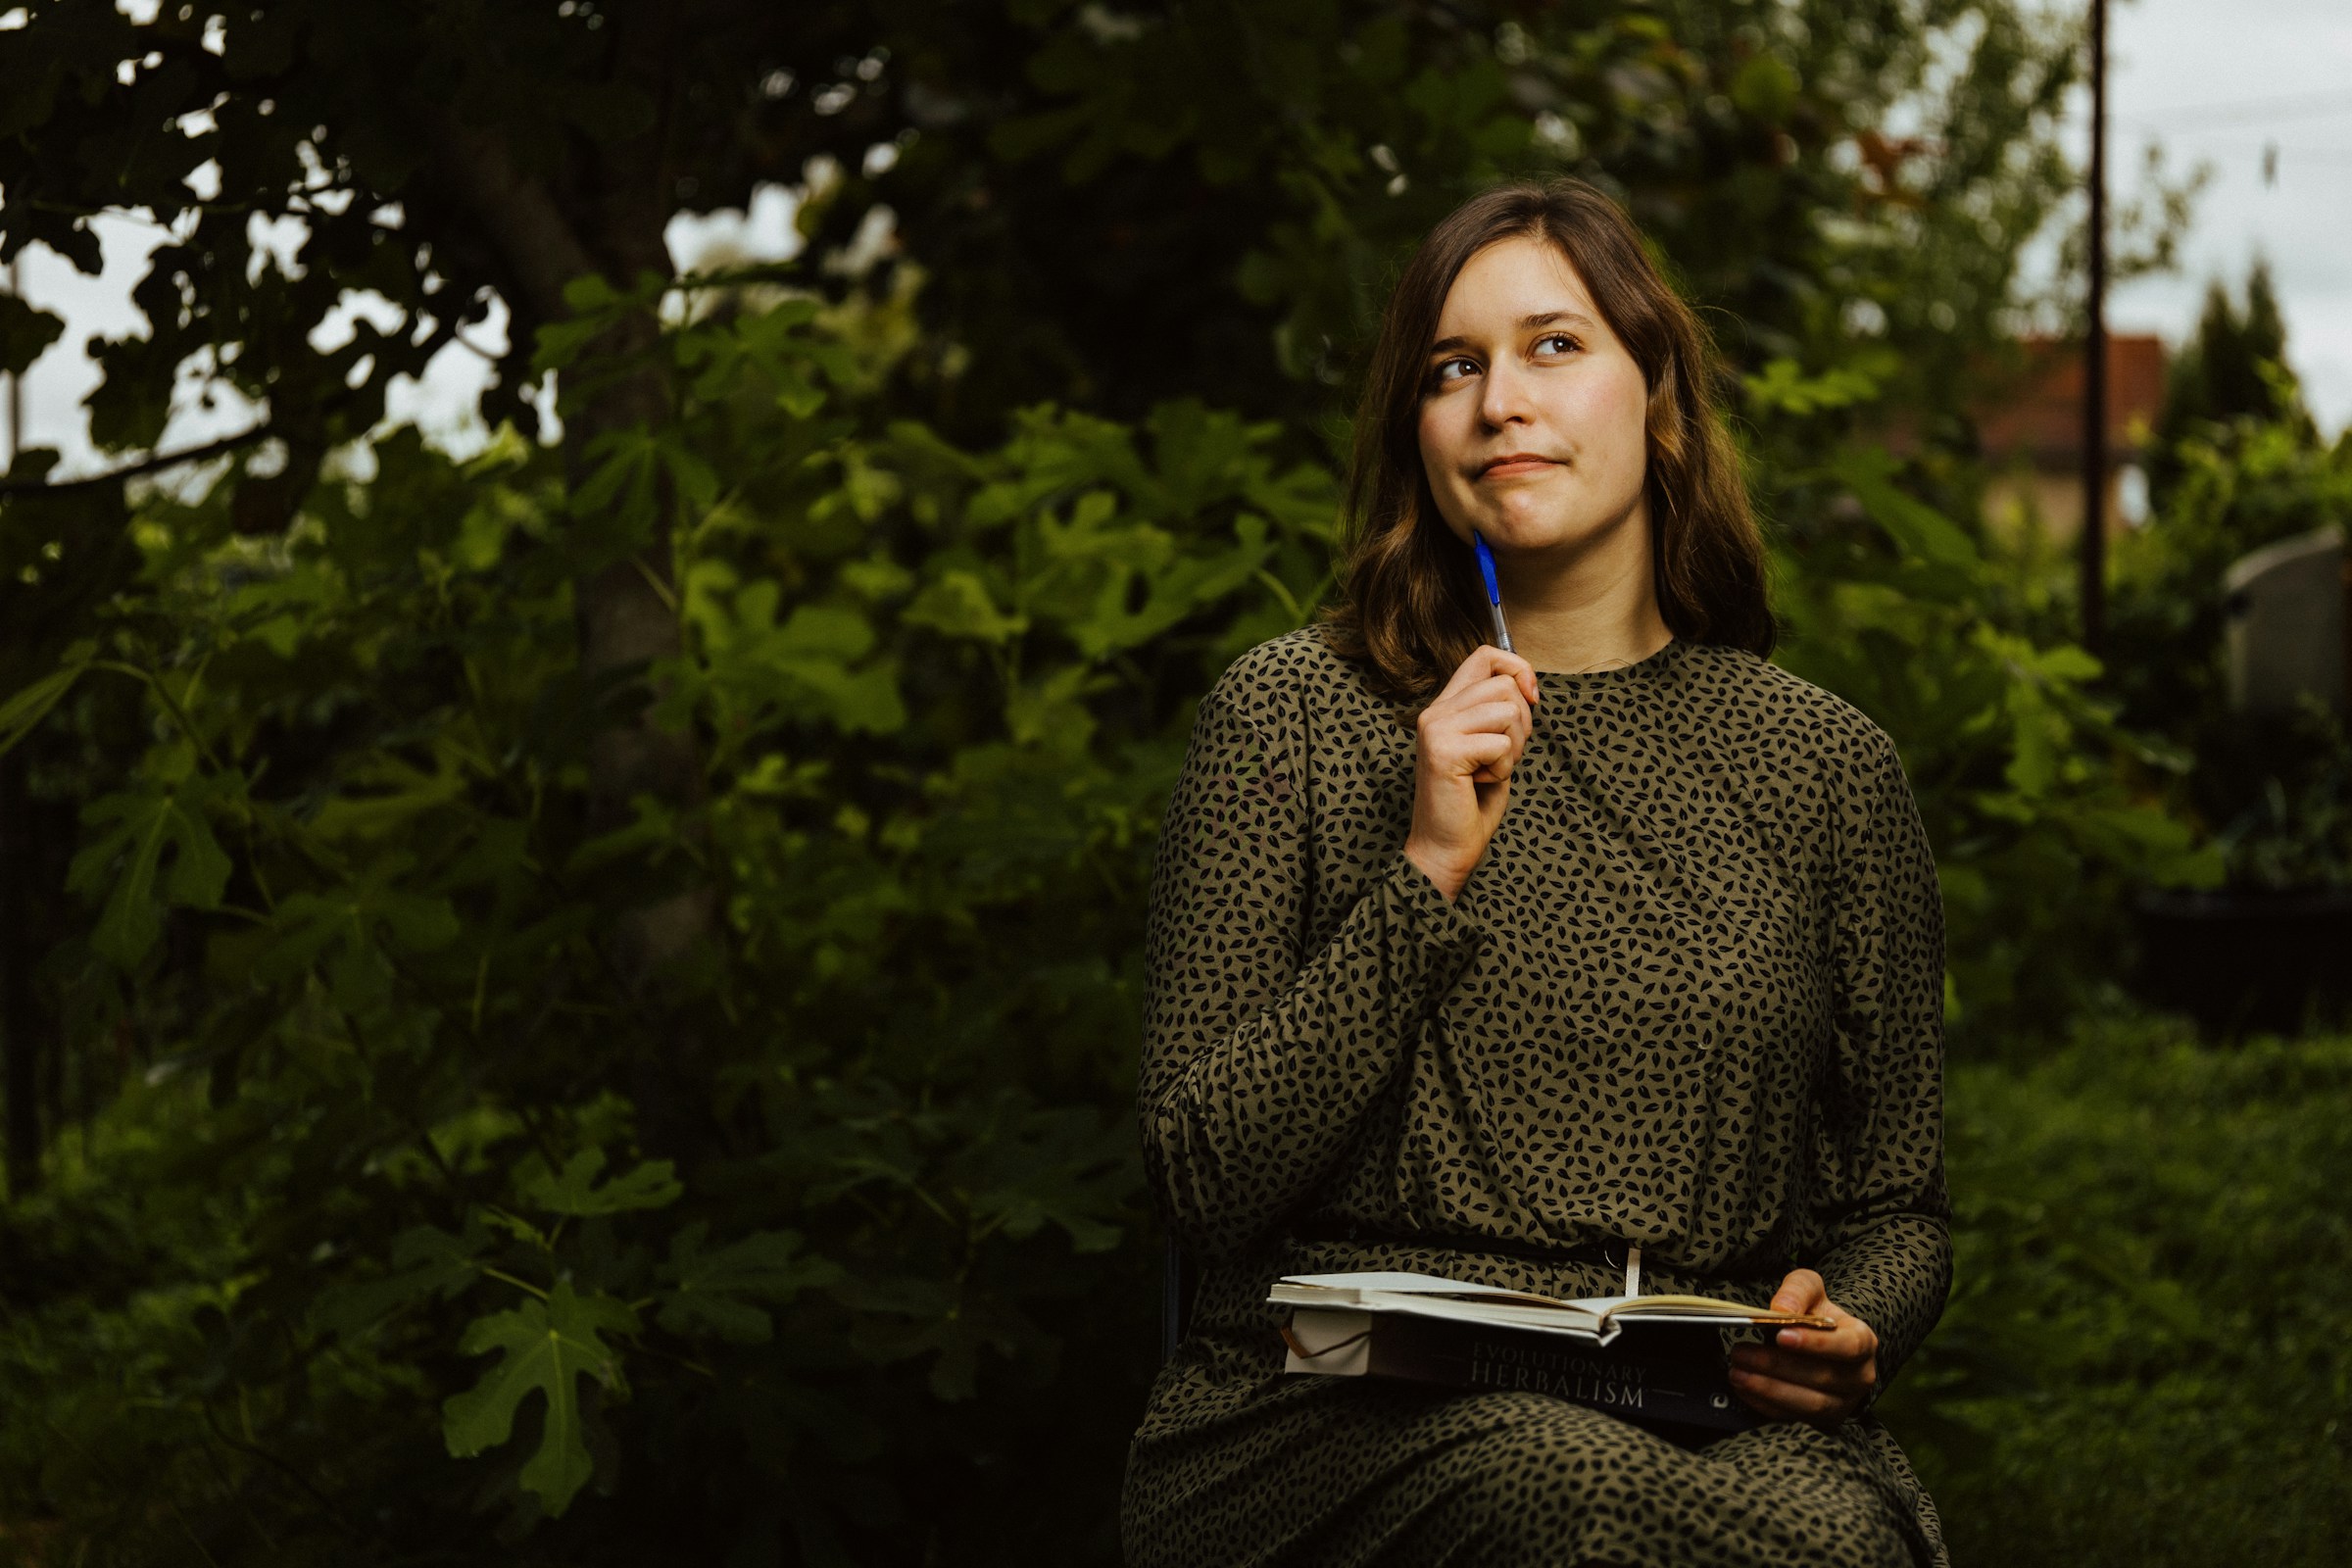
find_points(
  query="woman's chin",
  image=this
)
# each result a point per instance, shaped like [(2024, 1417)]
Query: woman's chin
[(1546, 526), (1512, 530)]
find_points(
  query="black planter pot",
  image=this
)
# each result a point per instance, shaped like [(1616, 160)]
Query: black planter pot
[(2248, 961)]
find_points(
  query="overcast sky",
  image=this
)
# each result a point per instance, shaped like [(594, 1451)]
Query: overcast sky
[(2217, 83)]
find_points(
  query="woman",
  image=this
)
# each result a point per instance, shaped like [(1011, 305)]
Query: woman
[(1494, 966)]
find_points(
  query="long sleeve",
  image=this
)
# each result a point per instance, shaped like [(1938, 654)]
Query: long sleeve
[(1261, 1060), (1880, 1210)]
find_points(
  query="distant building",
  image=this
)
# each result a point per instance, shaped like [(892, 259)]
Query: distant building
[(2034, 437)]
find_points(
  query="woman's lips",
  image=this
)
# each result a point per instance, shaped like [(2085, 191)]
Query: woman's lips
[(1515, 465)]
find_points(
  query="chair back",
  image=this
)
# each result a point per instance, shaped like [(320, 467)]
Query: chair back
[(1176, 1287)]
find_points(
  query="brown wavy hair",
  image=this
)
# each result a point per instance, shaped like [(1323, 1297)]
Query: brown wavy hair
[(1412, 602)]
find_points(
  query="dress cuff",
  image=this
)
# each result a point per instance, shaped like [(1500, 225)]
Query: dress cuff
[(1433, 924)]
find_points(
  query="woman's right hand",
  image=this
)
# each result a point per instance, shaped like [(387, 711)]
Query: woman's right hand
[(1470, 739)]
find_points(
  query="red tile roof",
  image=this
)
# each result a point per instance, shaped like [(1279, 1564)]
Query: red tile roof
[(2041, 418)]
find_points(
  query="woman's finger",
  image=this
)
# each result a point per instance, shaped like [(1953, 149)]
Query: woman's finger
[(1847, 1381), (1489, 693), (1829, 1377), (1487, 660), (1516, 734), (1850, 1338), (1803, 1291), (1482, 750), (1823, 1380), (1844, 1357), (1498, 716), (1499, 766), (1478, 693), (1772, 1397), (1489, 706), (1853, 1343), (1450, 751)]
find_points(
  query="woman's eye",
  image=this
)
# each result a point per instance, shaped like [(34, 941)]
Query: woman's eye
[(1556, 343), (1454, 371)]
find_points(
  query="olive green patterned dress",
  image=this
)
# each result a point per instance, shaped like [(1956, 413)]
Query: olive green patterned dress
[(1691, 999)]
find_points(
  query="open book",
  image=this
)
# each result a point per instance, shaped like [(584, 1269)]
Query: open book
[(1454, 1334), (1599, 1318)]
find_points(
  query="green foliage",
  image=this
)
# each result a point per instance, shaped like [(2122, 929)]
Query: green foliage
[(2233, 368), (2275, 790), (2296, 834), (586, 995), (123, 864), (2044, 810), (1336, 135), (545, 1348), (2241, 486), (26, 332), (573, 1191), (939, 695), (929, 780), (2144, 1359), (29, 704)]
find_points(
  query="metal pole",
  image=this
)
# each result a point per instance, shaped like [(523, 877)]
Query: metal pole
[(15, 386), (2094, 355)]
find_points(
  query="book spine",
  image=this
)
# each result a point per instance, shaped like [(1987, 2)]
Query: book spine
[(1657, 1375)]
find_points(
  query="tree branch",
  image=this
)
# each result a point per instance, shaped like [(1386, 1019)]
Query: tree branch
[(530, 231), (154, 464)]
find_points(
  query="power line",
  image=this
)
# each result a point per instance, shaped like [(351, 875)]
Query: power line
[(2248, 110)]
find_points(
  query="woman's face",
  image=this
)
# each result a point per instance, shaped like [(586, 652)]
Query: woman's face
[(1532, 424)]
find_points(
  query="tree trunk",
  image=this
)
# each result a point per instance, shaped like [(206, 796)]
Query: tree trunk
[(20, 1020), (607, 216), (623, 611)]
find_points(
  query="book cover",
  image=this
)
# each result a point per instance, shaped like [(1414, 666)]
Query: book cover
[(1665, 1375)]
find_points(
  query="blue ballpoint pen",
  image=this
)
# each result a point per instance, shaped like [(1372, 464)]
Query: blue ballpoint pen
[(1486, 569)]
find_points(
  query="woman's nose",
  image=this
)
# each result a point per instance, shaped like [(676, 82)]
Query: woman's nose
[(1503, 400)]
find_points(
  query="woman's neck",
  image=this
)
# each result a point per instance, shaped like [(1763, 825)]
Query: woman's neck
[(1596, 608)]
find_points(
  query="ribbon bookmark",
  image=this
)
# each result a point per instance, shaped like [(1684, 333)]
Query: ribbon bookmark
[(1305, 1354), (1632, 1269)]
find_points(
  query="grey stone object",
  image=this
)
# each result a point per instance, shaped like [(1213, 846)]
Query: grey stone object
[(2283, 627)]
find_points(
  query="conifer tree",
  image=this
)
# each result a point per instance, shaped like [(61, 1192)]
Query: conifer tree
[(2233, 368)]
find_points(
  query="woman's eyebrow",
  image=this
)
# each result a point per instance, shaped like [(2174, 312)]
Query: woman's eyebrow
[(1527, 323)]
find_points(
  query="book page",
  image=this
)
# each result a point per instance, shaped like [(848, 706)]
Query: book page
[(1428, 1296), (1398, 1282), (1434, 1296), (1700, 1308)]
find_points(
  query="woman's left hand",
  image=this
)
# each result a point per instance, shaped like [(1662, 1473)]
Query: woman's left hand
[(1817, 1375)]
